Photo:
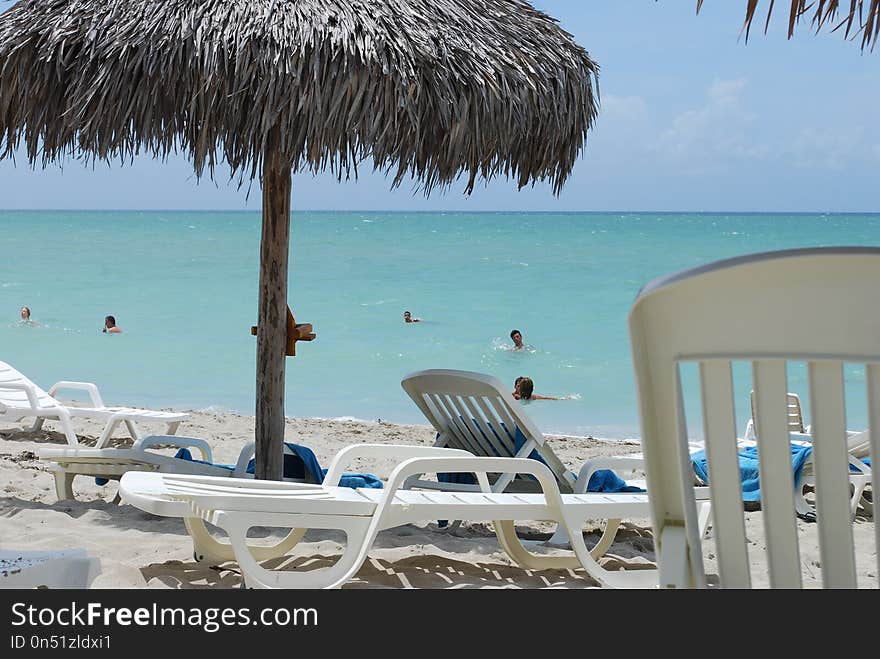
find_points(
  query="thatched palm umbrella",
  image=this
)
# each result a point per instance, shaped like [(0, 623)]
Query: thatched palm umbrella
[(434, 89), (855, 17)]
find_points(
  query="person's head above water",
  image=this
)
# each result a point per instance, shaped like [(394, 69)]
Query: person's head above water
[(407, 318), (25, 313), (516, 337), (110, 325), (524, 387)]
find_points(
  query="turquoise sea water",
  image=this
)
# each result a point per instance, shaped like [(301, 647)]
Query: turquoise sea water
[(183, 287)]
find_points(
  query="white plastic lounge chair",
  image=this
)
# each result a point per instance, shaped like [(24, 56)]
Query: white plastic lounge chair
[(813, 305), (111, 463), (72, 568), (237, 505), (475, 412), (858, 444), (20, 398)]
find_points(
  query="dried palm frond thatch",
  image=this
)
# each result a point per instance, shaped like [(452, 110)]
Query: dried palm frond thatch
[(856, 16), (429, 88)]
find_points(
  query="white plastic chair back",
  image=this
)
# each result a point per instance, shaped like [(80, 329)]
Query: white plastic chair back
[(477, 413), (813, 305), (795, 415)]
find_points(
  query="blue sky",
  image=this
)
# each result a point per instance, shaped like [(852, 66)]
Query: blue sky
[(692, 119)]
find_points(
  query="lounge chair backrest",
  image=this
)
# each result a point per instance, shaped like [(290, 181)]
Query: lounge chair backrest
[(12, 399), (813, 305), (477, 413), (795, 413)]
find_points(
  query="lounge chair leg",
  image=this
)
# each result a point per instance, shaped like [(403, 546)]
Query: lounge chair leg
[(211, 551), (132, 429), (801, 506), (64, 485), (38, 424), (505, 530), (358, 538), (67, 427), (635, 578), (206, 548), (172, 428), (858, 495), (560, 538), (866, 501), (107, 432), (510, 542)]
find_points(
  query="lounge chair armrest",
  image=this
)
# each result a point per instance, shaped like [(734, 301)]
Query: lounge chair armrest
[(858, 464), (343, 459), (26, 387), (91, 388), (620, 462), (175, 440), (248, 451), (471, 464)]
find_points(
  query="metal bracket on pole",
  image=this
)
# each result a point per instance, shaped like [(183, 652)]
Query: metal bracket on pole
[(295, 332)]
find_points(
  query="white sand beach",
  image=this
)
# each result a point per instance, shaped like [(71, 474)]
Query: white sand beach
[(138, 550)]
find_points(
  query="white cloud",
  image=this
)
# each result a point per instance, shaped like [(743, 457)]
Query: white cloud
[(724, 92), (716, 132)]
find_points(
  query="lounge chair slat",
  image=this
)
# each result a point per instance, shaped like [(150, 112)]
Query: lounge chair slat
[(719, 427), (453, 424), (832, 474), (501, 440), (500, 410), (775, 473), (872, 377), (485, 431)]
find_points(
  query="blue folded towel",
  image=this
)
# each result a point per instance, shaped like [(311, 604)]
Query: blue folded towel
[(300, 464), (303, 464), (748, 467), (605, 480)]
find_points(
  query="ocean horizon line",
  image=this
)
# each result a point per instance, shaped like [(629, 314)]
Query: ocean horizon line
[(441, 211)]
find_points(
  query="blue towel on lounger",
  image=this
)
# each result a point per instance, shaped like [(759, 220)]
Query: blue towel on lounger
[(303, 464), (748, 467), (602, 480), (300, 464)]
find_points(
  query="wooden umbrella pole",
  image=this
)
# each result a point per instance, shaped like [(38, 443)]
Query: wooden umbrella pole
[(272, 316)]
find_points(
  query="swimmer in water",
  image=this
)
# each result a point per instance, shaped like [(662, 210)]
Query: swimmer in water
[(523, 389), (407, 318), (110, 326), (26, 316), (516, 337)]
